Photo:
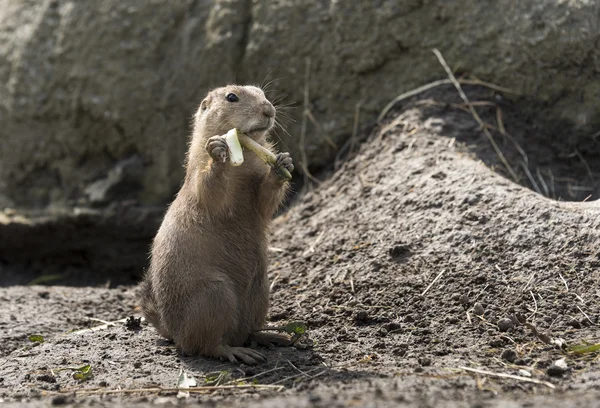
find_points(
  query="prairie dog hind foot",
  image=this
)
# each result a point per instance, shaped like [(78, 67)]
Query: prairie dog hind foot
[(270, 340), (246, 355)]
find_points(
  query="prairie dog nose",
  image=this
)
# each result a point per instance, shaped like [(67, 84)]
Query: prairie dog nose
[(268, 110)]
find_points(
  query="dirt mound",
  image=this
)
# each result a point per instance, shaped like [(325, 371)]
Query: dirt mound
[(410, 262)]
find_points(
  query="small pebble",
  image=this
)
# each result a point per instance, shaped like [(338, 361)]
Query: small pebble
[(555, 371), (574, 323), (46, 378), (561, 363), (133, 323), (361, 316), (59, 400), (478, 309), (399, 251), (505, 324), (509, 355), (313, 398), (524, 373), (463, 299), (481, 278), (392, 326), (497, 342), (424, 361)]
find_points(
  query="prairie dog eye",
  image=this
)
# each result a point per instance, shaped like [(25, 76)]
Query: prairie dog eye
[(231, 97)]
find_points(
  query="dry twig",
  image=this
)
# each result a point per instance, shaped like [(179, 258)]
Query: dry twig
[(306, 114), (434, 281), (435, 84), (101, 327), (585, 163), (542, 181), (355, 127), (528, 282), (476, 115), (511, 376), (531, 179), (165, 389), (314, 244), (304, 374), (534, 304), (564, 281), (586, 316)]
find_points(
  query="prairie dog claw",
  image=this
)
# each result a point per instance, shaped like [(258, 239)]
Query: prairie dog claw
[(217, 148), (246, 355), (285, 160)]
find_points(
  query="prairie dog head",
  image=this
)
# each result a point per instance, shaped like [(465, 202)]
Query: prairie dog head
[(235, 106)]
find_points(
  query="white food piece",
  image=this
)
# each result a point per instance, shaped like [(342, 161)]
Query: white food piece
[(236, 155)]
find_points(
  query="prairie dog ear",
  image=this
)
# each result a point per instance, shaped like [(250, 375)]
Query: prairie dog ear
[(205, 104)]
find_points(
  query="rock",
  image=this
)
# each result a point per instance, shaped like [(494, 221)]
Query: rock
[(424, 361), (46, 378), (123, 181), (555, 371), (505, 324), (574, 323), (399, 252), (361, 316), (478, 309), (562, 363), (497, 342), (392, 326), (524, 373), (60, 400), (88, 84), (313, 398), (133, 323), (509, 355)]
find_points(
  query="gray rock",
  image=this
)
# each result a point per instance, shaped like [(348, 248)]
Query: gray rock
[(505, 324), (555, 371), (478, 309), (85, 84), (509, 355), (122, 182)]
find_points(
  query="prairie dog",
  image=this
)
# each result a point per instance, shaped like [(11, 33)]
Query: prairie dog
[(207, 287)]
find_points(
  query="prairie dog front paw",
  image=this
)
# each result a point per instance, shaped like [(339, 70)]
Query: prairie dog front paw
[(217, 149)]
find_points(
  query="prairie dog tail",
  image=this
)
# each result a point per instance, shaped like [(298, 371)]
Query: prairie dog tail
[(148, 305)]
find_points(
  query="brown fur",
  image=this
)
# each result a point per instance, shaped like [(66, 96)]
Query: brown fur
[(207, 287)]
